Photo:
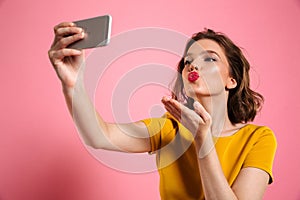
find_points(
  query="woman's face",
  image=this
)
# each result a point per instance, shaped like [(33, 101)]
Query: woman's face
[(206, 71)]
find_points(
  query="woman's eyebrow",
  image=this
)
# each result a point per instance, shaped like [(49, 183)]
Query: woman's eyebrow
[(204, 52)]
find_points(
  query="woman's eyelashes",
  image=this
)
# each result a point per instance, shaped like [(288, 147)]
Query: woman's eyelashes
[(187, 62), (208, 58)]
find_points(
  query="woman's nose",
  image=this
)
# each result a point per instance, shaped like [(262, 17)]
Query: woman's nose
[(192, 67)]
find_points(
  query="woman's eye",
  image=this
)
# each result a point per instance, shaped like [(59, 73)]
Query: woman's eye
[(210, 59)]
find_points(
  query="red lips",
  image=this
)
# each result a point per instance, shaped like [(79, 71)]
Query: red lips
[(193, 76)]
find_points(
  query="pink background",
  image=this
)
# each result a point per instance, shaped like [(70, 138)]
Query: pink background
[(41, 155)]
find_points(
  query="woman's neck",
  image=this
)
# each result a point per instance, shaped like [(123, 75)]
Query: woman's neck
[(216, 106)]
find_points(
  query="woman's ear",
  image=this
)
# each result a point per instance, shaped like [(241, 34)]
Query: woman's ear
[(231, 83)]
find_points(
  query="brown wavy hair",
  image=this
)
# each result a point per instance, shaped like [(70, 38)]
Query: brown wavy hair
[(243, 103)]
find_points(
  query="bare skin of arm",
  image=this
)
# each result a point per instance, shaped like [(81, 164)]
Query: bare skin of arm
[(132, 137)]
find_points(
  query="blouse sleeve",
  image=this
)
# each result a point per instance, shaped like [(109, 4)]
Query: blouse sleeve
[(161, 131), (263, 152)]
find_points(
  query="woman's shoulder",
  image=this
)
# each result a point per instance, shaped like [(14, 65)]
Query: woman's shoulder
[(257, 131), (252, 136)]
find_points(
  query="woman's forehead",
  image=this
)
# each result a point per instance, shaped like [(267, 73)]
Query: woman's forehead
[(204, 45)]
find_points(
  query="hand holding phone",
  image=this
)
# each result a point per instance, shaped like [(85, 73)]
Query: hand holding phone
[(65, 54), (97, 32)]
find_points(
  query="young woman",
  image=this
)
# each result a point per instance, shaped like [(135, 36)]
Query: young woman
[(205, 146)]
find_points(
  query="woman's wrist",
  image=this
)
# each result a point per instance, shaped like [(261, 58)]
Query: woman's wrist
[(67, 90), (204, 144)]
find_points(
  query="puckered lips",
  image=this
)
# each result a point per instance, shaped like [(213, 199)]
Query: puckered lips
[(193, 76)]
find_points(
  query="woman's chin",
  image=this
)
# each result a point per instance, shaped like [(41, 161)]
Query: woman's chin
[(196, 92)]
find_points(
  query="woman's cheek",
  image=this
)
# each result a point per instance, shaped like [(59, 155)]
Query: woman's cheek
[(213, 79)]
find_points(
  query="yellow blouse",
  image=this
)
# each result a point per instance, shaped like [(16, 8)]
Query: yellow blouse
[(176, 157)]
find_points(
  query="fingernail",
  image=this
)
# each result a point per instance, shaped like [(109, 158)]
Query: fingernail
[(164, 99), (196, 104), (167, 98)]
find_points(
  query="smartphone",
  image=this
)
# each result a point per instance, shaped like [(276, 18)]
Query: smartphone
[(97, 32)]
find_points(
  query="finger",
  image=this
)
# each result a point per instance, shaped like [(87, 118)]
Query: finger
[(59, 55), (173, 102), (177, 105), (173, 112), (174, 107), (67, 31), (63, 24), (200, 110), (167, 101), (65, 28), (66, 41)]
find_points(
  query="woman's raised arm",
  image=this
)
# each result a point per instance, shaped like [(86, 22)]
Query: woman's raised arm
[(132, 137)]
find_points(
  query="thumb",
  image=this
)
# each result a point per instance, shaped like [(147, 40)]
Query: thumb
[(200, 110)]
